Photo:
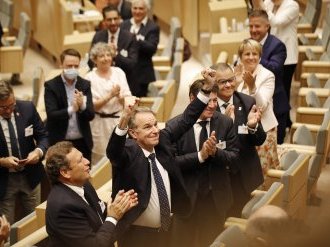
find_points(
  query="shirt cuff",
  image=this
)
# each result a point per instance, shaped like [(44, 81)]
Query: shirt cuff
[(70, 110), (200, 159), (121, 132), (202, 97), (252, 130), (112, 220), (41, 152)]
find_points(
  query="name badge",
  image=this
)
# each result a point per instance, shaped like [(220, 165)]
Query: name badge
[(140, 37), (29, 131), (243, 130), (124, 53), (221, 145)]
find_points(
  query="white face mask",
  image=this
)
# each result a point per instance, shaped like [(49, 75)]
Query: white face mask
[(71, 73)]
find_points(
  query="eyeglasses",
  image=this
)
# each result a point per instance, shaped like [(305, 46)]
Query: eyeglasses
[(224, 82), (8, 107)]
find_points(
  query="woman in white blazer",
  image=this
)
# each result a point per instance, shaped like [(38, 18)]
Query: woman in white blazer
[(258, 82), (283, 18)]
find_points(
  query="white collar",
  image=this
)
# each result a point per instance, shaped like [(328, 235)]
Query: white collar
[(79, 190), (144, 21), (221, 102), (262, 42)]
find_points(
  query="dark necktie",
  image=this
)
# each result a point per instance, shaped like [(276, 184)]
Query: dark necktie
[(13, 139), (203, 135), (91, 203), (225, 105), (112, 39), (165, 214)]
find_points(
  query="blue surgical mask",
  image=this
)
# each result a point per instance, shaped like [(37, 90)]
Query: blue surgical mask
[(71, 73)]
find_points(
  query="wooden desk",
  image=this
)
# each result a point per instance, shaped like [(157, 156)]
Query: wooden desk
[(228, 42), (87, 22), (234, 9)]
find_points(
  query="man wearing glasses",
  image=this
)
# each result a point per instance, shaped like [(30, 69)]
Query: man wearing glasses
[(23, 142), (247, 175)]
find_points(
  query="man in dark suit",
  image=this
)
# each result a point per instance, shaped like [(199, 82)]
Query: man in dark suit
[(23, 142), (145, 163), (75, 216), (69, 105), (247, 175), (273, 57), (147, 35), (124, 8), (203, 163), (121, 40)]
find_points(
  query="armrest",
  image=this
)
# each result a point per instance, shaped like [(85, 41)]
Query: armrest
[(311, 127), (315, 48), (160, 48), (9, 40), (241, 223), (316, 66), (323, 77), (320, 92), (159, 84), (299, 148), (161, 61), (312, 110), (33, 239), (257, 192), (304, 28), (275, 173)]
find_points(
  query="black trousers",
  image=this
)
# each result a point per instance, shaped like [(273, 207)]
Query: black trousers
[(138, 236), (282, 120), (287, 80), (240, 196), (201, 228)]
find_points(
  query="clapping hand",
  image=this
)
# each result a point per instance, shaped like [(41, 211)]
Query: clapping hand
[(209, 146), (254, 116)]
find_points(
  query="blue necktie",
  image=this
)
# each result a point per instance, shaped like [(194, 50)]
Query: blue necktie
[(165, 214)]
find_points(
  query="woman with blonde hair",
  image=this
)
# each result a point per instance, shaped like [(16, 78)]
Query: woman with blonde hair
[(109, 88), (255, 80)]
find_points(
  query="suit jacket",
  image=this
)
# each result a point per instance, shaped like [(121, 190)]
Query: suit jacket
[(272, 58), (71, 221), (125, 10), (284, 26), (57, 114), (144, 71), (265, 84), (127, 48), (25, 115), (187, 160), (131, 167), (248, 164)]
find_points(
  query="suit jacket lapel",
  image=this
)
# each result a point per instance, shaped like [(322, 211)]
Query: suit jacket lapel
[(3, 143)]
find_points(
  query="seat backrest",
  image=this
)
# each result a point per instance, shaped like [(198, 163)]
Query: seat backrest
[(309, 14), (7, 14), (303, 136), (23, 228), (24, 32), (327, 84), (323, 135), (37, 81), (158, 108), (326, 103), (287, 159), (175, 32), (312, 100), (274, 196), (232, 236), (325, 35), (313, 81), (314, 170), (295, 177)]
